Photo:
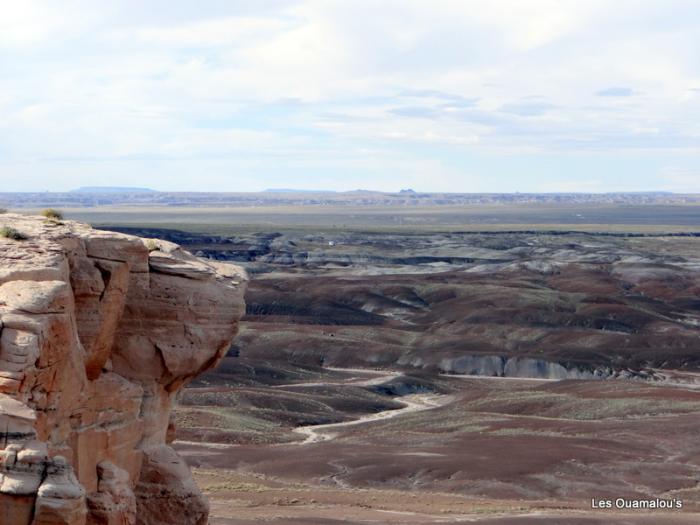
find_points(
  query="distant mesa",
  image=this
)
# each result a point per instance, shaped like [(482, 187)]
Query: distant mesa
[(111, 189), (408, 190)]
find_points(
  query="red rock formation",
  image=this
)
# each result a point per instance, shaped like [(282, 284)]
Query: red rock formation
[(98, 332)]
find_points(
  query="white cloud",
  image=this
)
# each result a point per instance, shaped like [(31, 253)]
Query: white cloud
[(207, 33), (133, 80), (30, 22)]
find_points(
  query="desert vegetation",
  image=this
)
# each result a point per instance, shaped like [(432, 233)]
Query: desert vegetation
[(9, 232), (152, 245), (52, 214)]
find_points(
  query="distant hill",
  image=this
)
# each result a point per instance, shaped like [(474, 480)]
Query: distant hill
[(106, 196), (111, 189)]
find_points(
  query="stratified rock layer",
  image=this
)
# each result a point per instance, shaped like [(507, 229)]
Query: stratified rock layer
[(98, 332)]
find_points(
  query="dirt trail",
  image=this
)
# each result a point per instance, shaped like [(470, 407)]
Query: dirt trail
[(509, 378), (679, 378), (383, 376), (316, 433), (414, 403)]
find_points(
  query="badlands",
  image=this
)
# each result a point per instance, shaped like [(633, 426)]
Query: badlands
[(495, 375)]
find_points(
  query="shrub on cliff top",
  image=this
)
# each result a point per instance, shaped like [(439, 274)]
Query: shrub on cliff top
[(10, 233), (52, 214), (152, 245)]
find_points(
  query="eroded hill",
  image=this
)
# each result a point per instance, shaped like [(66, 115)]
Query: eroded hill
[(547, 304)]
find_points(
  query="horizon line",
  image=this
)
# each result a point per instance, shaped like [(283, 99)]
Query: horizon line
[(406, 191)]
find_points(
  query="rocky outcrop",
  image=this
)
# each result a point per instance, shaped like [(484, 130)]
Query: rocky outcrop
[(527, 367), (504, 366), (98, 332)]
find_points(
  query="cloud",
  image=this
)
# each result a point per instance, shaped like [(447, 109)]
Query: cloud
[(30, 23), (615, 91), (238, 86), (435, 94), (431, 137), (210, 33), (528, 108), (415, 112)]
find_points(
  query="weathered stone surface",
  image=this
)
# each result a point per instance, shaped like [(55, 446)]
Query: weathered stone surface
[(96, 337), (60, 498), (502, 366), (166, 489), (114, 502), (34, 297)]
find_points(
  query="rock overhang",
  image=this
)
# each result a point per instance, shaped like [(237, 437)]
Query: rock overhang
[(98, 331)]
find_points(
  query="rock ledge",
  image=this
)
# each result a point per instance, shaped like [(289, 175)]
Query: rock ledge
[(98, 332)]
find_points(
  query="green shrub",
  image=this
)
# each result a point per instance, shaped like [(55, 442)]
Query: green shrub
[(11, 233), (52, 214)]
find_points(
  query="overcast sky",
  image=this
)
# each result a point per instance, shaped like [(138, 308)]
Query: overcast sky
[(464, 95)]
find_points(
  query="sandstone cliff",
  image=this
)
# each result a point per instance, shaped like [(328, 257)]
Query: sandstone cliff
[(98, 332)]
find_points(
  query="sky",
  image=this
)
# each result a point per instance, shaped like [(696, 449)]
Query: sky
[(433, 95)]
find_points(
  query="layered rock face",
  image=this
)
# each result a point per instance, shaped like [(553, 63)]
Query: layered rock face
[(98, 332)]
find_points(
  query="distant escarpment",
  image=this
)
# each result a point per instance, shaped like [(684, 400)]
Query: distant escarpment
[(98, 332)]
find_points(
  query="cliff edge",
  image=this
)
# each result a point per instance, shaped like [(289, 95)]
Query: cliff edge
[(98, 332)]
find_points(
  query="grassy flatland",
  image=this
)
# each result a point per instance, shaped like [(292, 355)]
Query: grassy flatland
[(404, 219)]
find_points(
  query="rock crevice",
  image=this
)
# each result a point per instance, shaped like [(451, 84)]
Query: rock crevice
[(98, 332)]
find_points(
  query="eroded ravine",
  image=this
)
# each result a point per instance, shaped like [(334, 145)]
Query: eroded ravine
[(413, 403)]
